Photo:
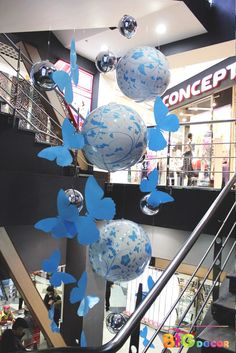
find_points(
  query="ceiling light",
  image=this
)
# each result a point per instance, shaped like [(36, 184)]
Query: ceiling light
[(161, 28), (214, 104), (104, 47)]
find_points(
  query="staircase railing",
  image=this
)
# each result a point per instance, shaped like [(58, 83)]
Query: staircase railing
[(117, 342), (26, 101)]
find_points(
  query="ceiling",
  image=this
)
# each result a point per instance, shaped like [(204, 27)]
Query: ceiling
[(89, 22)]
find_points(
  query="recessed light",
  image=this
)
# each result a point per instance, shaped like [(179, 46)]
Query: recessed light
[(161, 28), (104, 47)]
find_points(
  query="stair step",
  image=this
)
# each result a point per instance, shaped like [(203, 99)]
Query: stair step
[(214, 333), (224, 309), (232, 282)]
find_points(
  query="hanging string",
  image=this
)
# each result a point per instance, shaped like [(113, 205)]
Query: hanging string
[(49, 44)]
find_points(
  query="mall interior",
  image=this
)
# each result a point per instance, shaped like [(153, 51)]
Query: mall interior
[(170, 284)]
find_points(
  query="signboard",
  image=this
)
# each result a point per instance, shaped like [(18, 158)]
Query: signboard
[(221, 75)]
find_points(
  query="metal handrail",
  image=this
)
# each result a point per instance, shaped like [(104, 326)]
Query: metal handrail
[(34, 116), (210, 291), (23, 79), (190, 280), (36, 129), (31, 63), (117, 342)]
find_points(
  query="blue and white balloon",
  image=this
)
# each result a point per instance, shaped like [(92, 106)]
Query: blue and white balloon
[(122, 252), (143, 73), (115, 137)]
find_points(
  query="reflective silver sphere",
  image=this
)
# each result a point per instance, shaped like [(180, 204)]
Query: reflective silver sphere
[(41, 75), (115, 322), (75, 197), (127, 26), (105, 61), (148, 209)]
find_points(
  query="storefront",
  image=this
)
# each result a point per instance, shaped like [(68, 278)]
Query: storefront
[(205, 105)]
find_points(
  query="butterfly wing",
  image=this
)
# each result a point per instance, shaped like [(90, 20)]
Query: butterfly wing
[(157, 197), (169, 123), (98, 207), (51, 313), (63, 81), (61, 154), (71, 138), (51, 264), (163, 120), (83, 341), (148, 184), (87, 303), (46, 224), (78, 293), (143, 332), (54, 327), (61, 277), (156, 140), (150, 282), (66, 211), (74, 69), (88, 232)]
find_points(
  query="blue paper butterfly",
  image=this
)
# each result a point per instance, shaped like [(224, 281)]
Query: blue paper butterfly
[(64, 225), (51, 265), (149, 185), (53, 325), (150, 284), (143, 334), (97, 208), (164, 122), (83, 341), (64, 80), (86, 304), (62, 154), (78, 293)]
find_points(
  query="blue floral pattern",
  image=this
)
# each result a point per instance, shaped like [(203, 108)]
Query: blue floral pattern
[(122, 252), (115, 137), (143, 73)]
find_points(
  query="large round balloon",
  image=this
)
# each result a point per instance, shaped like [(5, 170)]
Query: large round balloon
[(122, 252), (143, 73), (115, 137), (41, 75)]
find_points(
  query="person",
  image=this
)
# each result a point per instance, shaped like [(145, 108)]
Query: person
[(225, 173), (109, 284), (6, 315), (188, 156), (52, 299), (11, 338)]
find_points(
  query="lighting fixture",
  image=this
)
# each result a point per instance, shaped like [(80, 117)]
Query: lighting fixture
[(161, 28)]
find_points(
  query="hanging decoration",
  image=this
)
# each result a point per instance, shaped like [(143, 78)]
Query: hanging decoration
[(62, 154), (150, 205), (127, 26), (115, 137), (164, 122), (63, 80), (122, 251), (53, 325), (69, 223), (78, 294), (83, 341), (115, 322), (150, 283), (143, 333), (51, 265), (75, 197), (41, 75), (143, 73), (106, 61)]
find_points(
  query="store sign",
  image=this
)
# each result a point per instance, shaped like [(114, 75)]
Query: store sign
[(222, 74)]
